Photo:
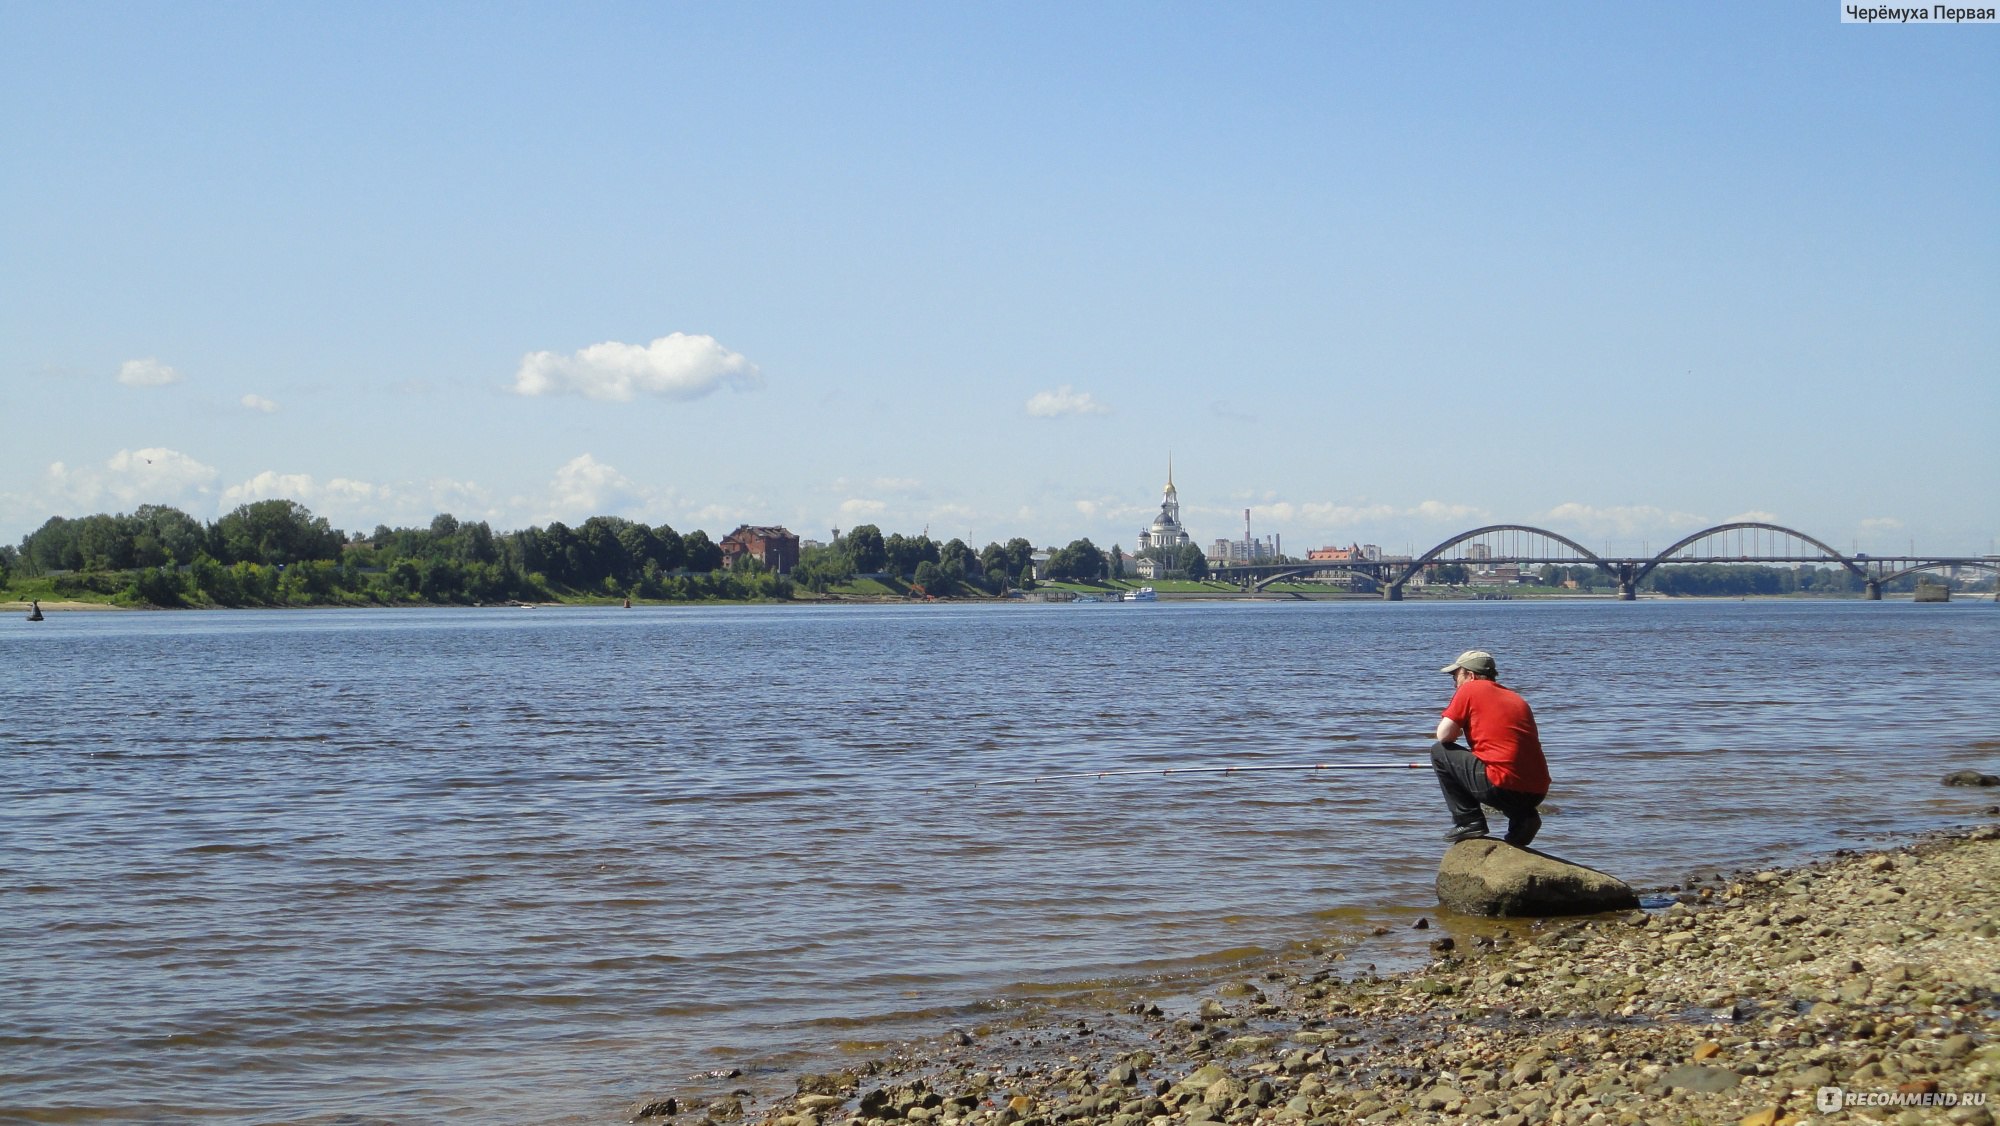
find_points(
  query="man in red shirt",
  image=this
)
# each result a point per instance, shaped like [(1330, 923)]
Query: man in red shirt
[(1504, 767)]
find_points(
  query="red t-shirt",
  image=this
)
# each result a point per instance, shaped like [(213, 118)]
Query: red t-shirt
[(1500, 729)]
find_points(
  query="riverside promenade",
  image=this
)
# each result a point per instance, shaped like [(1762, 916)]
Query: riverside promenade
[(1745, 1001)]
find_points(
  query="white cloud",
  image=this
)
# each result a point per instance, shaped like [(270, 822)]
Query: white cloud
[(678, 366), (1120, 509), (260, 403), (133, 477), (1064, 401), (149, 372), (354, 505), (1881, 524), (341, 496), (1754, 516), (1626, 520), (586, 487), (716, 519), (861, 507), (459, 497), (1319, 514), (1452, 513)]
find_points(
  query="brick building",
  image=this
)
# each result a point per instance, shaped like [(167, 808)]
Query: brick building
[(776, 548)]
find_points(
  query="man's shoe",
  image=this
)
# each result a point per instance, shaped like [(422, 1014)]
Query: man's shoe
[(1465, 833), (1521, 830)]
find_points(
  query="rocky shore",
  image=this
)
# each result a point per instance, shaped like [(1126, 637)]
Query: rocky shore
[(1737, 1003)]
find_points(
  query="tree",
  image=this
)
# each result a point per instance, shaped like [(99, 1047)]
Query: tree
[(1080, 560), (993, 561), (476, 544), (275, 531), (606, 554), (1117, 561), (906, 552), (864, 545), (956, 556), (930, 579), (51, 547), (702, 555), (1020, 555), (104, 542), (640, 546), (1191, 562), (178, 535), (822, 567), (668, 551)]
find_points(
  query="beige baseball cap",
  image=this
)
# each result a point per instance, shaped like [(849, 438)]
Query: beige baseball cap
[(1473, 660)]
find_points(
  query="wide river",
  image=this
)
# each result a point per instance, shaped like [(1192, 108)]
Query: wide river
[(530, 867)]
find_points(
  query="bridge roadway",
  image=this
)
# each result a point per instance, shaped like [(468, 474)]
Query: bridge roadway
[(1628, 571)]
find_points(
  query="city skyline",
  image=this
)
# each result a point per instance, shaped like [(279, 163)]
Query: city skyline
[(1378, 276)]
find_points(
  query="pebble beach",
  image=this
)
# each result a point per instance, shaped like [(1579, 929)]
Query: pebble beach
[(1735, 998)]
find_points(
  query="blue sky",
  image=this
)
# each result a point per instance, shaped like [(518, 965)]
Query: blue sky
[(1380, 273)]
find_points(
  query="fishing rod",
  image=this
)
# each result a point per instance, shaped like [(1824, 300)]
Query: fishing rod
[(1078, 776)]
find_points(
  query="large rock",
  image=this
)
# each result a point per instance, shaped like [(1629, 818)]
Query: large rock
[(1490, 877), (1970, 778)]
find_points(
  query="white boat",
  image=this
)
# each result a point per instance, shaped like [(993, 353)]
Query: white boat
[(1143, 594)]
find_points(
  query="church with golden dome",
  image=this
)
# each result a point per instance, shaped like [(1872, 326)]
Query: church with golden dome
[(1166, 533)]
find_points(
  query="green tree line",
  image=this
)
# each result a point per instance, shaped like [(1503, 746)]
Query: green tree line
[(278, 553)]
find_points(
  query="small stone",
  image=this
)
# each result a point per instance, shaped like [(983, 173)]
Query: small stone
[(664, 1108), (1701, 1078), (1421, 924), (1707, 1050), (1970, 778)]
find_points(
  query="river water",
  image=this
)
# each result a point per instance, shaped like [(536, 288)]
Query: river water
[(531, 866)]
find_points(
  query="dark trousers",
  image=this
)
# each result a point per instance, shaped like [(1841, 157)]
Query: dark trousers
[(1463, 779)]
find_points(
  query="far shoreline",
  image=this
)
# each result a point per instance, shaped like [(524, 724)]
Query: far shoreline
[(67, 606)]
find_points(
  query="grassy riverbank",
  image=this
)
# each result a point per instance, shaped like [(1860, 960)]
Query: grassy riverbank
[(1876, 973)]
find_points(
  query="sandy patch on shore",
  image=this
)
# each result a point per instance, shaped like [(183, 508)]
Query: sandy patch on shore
[(60, 607)]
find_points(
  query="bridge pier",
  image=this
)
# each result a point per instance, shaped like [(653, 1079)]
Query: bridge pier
[(1874, 591), (1393, 592), (1628, 592)]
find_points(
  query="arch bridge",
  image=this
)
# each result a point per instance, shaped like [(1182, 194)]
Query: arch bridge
[(1743, 541)]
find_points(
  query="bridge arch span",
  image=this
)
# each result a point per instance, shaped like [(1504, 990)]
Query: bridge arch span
[(1429, 557), (1305, 569), (1908, 571), (1742, 525)]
